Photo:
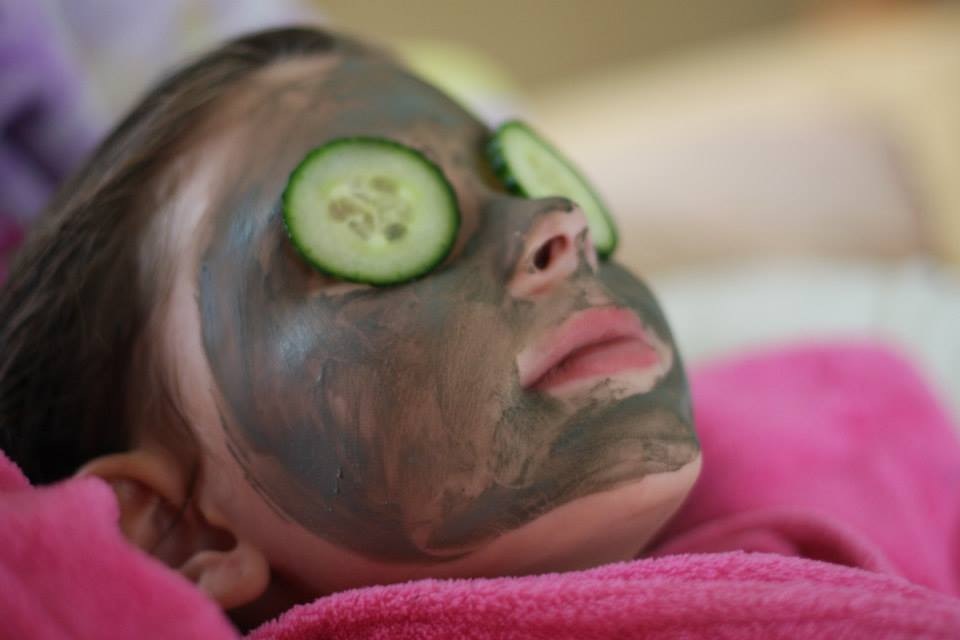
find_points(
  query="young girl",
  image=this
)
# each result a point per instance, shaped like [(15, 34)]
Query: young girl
[(482, 396)]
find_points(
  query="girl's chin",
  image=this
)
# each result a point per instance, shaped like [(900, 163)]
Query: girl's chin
[(609, 526)]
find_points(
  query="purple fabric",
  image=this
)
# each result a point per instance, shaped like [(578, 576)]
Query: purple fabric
[(45, 130)]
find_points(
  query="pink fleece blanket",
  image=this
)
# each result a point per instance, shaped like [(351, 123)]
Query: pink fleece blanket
[(832, 464)]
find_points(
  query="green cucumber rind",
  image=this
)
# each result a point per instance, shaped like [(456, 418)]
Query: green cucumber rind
[(401, 277), (501, 168)]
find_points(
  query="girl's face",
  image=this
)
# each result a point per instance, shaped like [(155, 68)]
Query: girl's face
[(409, 425)]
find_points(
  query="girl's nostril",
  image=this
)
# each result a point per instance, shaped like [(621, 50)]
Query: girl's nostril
[(542, 257), (549, 251)]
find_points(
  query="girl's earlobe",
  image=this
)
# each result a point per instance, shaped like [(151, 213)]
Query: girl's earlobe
[(232, 577), (158, 516)]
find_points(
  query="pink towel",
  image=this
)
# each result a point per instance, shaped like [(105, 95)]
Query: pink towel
[(67, 573), (837, 452), (728, 595), (833, 453)]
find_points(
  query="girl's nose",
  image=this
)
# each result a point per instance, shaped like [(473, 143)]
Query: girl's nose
[(553, 248)]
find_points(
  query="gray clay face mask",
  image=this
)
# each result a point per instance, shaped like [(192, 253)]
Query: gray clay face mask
[(391, 421)]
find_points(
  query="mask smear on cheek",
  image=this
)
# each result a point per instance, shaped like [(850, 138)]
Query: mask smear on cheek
[(390, 421)]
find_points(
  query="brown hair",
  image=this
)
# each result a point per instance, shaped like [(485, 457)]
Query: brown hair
[(77, 299)]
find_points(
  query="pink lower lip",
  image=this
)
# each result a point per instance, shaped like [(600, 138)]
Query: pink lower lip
[(601, 360)]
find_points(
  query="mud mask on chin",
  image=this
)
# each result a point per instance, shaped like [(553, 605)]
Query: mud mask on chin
[(409, 422)]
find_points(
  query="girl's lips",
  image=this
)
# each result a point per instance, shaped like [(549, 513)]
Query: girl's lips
[(592, 345)]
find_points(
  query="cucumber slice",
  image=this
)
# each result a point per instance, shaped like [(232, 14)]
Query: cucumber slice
[(531, 167), (370, 210)]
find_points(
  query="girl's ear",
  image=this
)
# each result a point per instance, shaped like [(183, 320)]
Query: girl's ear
[(158, 515)]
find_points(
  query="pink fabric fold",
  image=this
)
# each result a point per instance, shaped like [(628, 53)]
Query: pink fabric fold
[(67, 573), (729, 595), (833, 464), (837, 452)]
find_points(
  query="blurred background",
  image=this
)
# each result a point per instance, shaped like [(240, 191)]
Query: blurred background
[(780, 170)]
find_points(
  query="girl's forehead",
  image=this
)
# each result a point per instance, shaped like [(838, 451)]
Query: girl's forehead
[(304, 103)]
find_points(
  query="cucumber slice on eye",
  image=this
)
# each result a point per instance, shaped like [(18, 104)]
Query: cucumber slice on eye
[(531, 167), (370, 210)]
